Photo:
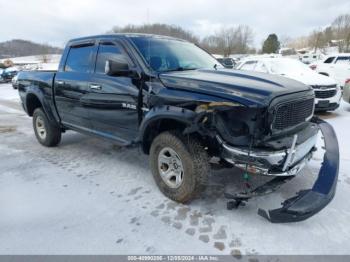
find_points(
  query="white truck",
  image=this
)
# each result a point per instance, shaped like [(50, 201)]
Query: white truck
[(335, 66)]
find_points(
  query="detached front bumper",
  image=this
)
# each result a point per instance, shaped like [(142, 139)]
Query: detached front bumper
[(308, 202)]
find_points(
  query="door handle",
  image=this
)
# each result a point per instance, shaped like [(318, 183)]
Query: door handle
[(96, 87), (60, 82)]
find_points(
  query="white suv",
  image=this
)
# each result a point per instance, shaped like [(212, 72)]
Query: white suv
[(335, 66), (327, 92)]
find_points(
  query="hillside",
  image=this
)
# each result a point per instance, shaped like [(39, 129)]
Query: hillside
[(18, 47)]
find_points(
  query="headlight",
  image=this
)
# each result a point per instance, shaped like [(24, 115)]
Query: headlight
[(209, 107)]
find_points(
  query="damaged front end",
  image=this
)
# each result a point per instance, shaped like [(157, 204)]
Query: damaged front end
[(278, 142)]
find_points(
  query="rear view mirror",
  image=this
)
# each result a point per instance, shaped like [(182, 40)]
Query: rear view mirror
[(117, 68)]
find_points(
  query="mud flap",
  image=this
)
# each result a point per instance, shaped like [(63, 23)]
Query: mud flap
[(309, 202)]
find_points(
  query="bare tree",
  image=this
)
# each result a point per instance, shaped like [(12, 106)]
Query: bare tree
[(158, 29), (245, 38), (328, 34), (299, 42), (285, 40), (45, 56), (316, 40), (231, 40), (341, 30), (210, 43)]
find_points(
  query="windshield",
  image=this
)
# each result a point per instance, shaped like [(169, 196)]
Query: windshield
[(163, 54), (343, 60), (287, 66)]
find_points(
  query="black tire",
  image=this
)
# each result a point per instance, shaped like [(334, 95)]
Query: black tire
[(52, 135), (194, 160)]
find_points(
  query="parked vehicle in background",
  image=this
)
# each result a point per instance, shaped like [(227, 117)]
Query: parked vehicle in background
[(327, 92), (309, 58), (346, 91), (172, 99), (9, 73), (227, 62), (1, 79), (335, 66), (15, 82)]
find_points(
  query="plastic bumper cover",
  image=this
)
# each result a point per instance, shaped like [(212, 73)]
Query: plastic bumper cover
[(309, 202)]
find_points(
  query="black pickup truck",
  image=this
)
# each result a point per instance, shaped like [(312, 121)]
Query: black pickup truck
[(185, 110)]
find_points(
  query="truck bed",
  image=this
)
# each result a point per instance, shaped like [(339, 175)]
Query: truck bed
[(40, 77), (41, 84)]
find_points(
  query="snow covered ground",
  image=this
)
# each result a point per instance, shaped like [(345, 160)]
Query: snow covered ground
[(54, 58), (88, 196)]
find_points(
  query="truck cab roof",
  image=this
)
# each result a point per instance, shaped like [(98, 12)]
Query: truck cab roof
[(120, 35)]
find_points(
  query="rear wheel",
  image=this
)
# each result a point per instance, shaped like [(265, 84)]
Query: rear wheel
[(179, 165), (47, 133)]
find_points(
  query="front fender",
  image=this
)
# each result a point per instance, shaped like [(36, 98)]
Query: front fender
[(156, 114)]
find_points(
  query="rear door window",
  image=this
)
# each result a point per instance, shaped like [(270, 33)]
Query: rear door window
[(79, 59)]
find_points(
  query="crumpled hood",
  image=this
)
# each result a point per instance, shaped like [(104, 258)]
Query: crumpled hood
[(248, 88)]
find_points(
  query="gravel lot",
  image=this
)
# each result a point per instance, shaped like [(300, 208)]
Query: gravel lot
[(88, 196)]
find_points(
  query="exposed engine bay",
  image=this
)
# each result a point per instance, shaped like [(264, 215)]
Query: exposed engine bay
[(248, 139)]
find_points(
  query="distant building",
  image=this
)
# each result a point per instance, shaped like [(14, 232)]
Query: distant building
[(287, 51), (335, 42)]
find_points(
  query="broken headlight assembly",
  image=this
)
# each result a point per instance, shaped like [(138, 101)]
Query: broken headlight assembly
[(234, 122)]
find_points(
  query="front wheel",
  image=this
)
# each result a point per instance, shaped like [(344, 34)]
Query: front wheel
[(179, 165), (47, 133)]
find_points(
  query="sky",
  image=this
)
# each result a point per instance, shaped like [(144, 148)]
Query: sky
[(56, 21)]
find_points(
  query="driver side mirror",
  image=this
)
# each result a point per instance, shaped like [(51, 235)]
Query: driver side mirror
[(117, 68)]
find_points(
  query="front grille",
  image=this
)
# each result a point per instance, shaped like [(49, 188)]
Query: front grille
[(292, 113), (325, 93), (323, 86)]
